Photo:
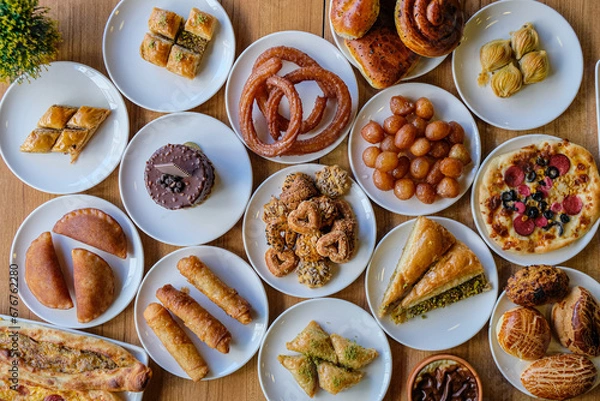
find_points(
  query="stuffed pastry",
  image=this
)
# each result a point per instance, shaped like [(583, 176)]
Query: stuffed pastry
[(56, 117), (94, 283), (164, 22), (40, 140), (350, 354), (334, 379), (183, 62), (304, 371), (313, 341), (155, 49)]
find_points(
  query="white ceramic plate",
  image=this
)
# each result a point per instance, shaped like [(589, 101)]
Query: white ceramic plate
[(334, 316), (128, 272), (442, 328), (236, 273), (534, 105), (73, 84), (253, 231), (156, 88), (551, 258), (511, 366), (136, 351), (448, 108), (227, 201), (320, 50), (424, 65)]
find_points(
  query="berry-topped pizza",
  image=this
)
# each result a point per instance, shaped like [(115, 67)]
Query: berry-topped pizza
[(541, 197)]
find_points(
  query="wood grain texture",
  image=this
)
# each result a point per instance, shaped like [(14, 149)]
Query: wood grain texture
[(82, 24)]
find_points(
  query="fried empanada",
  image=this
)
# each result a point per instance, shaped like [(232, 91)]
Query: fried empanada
[(334, 379), (95, 228), (94, 283), (56, 116), (44, 276), (304, 371), (313, 341), (350, 354), (40, 140)]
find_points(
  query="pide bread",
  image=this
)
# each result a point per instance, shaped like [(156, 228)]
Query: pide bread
[(524, 333)]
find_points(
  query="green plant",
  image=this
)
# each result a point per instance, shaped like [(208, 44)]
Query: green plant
[(28, 39)]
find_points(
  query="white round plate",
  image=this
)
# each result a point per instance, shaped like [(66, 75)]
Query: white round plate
[(128, 272), (321, 51), (510, 366), (424, 65), (253, 231), (443, 328), (227, 200), (550, 258), (153, 87), (66, 83), (234, 272), (534, 105), (334, 316), (448, 108)]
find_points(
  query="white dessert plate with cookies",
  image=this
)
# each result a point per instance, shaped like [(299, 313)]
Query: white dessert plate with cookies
[(533, 105), (127, 272), (333, 316), (511, 366), (441, 328), (152, 86), (343, 274), (235, 273), (69, 84), (447, 108), (227, 199)]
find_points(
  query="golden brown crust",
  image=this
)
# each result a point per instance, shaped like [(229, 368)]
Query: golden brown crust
[(155, 49), (350, 354), (351, 19), (176, 341), (44, 276), (536, 285), (334, 379), (32, 392), (184, 62), (559, 377), (164, 22), (94, 283), (40, 140), (576, 322), (201, 24), (95, 228), (124, 373), (427, 242), (304, 371), (313, 341), (56, 116), (524, 333), (430, 28)]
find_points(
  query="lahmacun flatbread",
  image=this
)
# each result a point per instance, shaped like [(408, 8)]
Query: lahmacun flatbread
[(541, 197)]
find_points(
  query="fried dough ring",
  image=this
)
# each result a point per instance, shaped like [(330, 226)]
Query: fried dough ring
[(281, 263), (336, 246), (305, 218), (265, 74)]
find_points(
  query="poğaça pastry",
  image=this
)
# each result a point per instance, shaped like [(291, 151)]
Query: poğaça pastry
[(179, 176)]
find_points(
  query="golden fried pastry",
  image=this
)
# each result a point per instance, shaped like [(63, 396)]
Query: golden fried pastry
[(274, 210), (208, 283), (281, 263), (333, 181), (523, 332), (351, 19), (164, 22), (537, 285), (290, 178), (306, 247), (279, 235), (336, 246), (33, 392), (305, 219), (95, 228), (348, 227), (334, 379), (314, 342), (79, 130), (155, 49), (56, 117), (44, 276), (201, 24), (350, 354), (184, 62), (301, 188), (70, 140), (304, 371), (94, 283), (576, 322), (88, 117), (314, 274), (40, 140)]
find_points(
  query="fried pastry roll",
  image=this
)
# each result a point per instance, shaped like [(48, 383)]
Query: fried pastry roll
[(176, 341), (208, 328), (227, 298)]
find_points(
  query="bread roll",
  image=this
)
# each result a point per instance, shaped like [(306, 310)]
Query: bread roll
[(537, 285), (524, 333), (576, 322), (351, 19), (559, 377)]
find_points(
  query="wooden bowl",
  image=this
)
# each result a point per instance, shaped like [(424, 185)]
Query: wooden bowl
[(439, 357)]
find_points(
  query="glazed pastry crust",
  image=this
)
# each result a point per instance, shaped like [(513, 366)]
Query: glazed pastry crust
[(94, 283), (56, 117), (536, 285), (183, 62), (32, 392), (523, 332), (40, 140), (304, 371), (155, 49), (201, 24), (350, 354), (334, 379), (351, 19), (313, 341), (164, 22)]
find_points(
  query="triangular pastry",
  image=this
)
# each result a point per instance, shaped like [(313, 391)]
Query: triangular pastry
[(334, 379), (94, 283), (304, 371), (95, 228), (457, 275), (427, 242), (313, 341), (350, 354), (44, 276)]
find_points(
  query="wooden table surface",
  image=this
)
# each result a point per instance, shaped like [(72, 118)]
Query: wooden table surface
[(82, 24)]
